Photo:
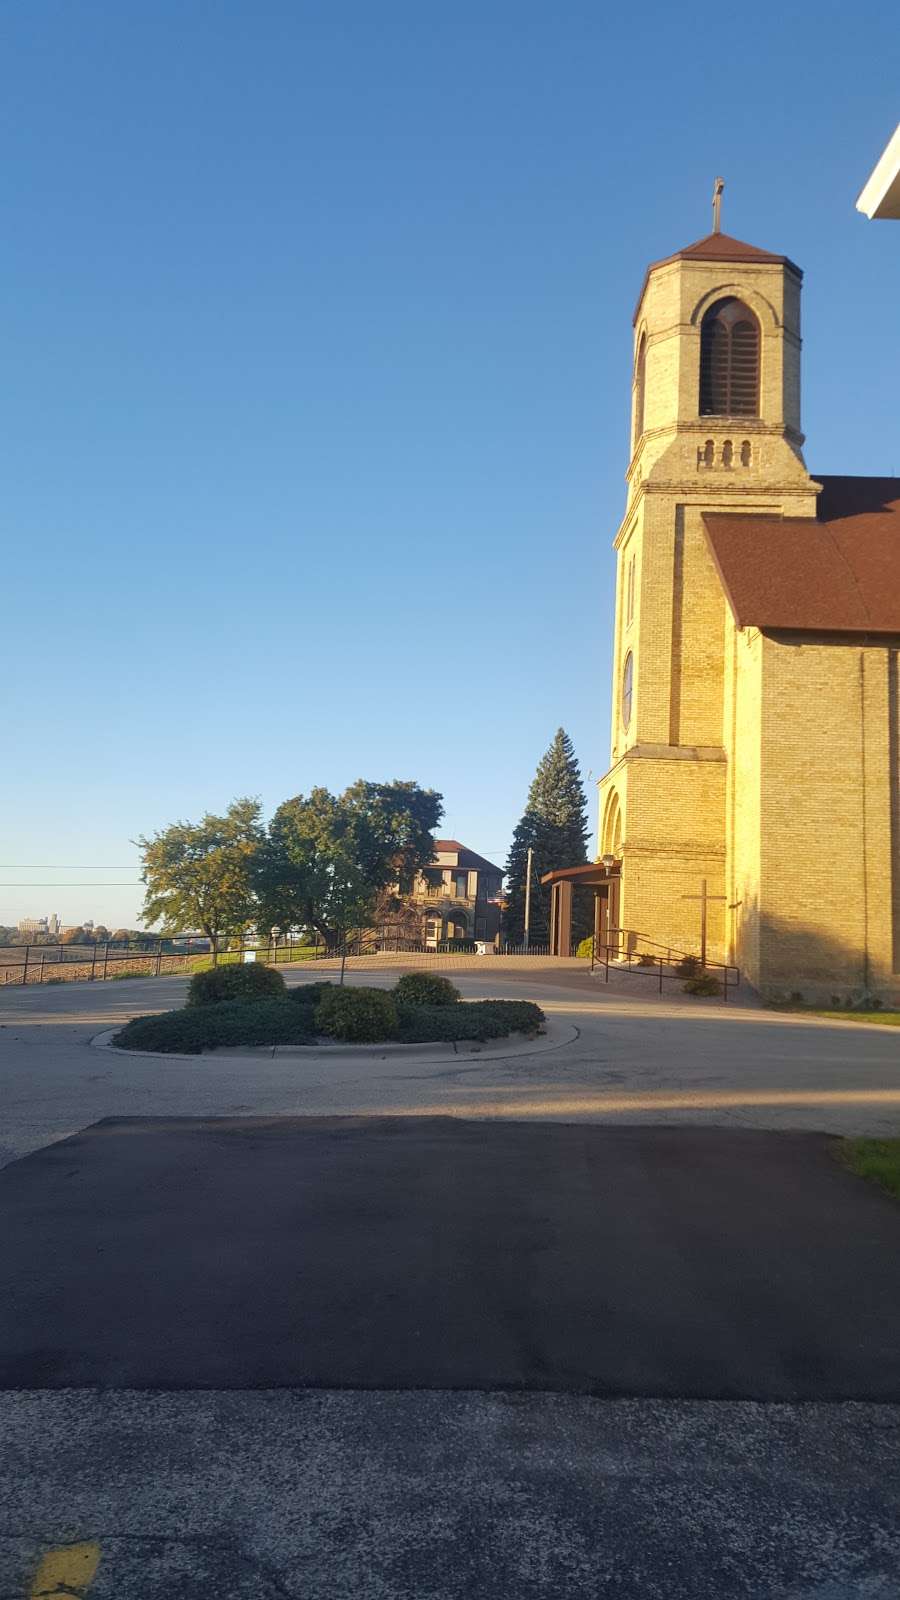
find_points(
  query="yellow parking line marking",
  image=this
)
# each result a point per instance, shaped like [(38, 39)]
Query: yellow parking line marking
[(70, 1570)]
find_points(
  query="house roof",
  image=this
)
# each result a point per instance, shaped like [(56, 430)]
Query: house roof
[(465, 856), (837, 572), (719, 247)]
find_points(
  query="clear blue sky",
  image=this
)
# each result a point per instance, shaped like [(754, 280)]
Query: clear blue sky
[(314, 377)]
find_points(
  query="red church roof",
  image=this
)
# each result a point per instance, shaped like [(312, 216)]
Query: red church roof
[(719, 247), (837, 572)]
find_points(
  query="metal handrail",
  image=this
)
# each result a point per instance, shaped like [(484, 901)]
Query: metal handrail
[(617, 952)]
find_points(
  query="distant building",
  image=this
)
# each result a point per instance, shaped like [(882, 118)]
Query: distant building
[(53, 924), (457, 896), (33, 925)]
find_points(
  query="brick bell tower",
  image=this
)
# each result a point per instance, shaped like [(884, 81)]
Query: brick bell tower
[(715, 427)]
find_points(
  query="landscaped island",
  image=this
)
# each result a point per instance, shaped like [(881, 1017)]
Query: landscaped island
[(251, 1005)]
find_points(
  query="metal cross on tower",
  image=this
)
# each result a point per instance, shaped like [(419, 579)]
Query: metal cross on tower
[(718, 187)]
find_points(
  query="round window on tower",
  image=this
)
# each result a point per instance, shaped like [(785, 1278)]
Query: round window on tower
[(627, 689)]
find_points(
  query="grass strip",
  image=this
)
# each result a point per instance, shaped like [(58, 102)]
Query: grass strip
[(875, 1159)]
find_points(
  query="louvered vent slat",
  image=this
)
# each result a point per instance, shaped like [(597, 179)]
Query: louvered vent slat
[(729, 361)]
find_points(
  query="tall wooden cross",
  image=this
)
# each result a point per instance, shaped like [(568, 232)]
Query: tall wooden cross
[(704, 899), (718, 186)]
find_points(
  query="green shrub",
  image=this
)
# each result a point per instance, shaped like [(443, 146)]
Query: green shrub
[(246, 981), (425, 989), (309, 994), (235, 1022), (702, 983), (365, 1016), (586, 947), (688, 967), (470, 1019), (362, 1016)]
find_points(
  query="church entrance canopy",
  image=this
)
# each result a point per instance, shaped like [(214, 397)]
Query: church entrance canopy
[(604, 878)]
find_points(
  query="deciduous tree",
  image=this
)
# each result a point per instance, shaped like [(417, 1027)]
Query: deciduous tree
[(329, 857), (200, 875)]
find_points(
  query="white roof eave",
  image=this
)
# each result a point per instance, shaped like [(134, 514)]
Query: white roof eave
[(880, 199)]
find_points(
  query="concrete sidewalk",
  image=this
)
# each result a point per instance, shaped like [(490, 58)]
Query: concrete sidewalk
[(277, 1495)]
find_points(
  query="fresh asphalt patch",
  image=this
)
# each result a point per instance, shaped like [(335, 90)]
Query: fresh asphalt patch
[(405, 1253)]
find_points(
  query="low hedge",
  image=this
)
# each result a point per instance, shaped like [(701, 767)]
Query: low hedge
[(212, 1027), (470, 1019), (247, 981), (359, 1016), (425, 989), (363, 1016)]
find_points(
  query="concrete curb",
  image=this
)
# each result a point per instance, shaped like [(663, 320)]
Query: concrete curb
[(555, 1036)]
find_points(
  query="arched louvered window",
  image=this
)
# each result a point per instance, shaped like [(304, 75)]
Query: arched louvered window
[(639, 375), (627, 689), (729, 361)]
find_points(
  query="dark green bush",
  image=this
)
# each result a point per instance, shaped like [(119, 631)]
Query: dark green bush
[(361, 1016), (235, 1022), (309, 994), (241, 981), (702, 983), (353, 1014), (687, 967), (425, 989), (471, 1019)]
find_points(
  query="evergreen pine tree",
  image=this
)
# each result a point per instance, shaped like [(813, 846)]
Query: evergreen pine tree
[(554, 824)]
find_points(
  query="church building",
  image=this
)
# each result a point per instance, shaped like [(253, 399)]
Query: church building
[(754, 772)]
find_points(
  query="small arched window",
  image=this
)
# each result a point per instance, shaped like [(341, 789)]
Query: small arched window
[(640, 367), (729, 361), (627, 689)]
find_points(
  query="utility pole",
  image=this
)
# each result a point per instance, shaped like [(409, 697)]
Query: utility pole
[(528, 896)]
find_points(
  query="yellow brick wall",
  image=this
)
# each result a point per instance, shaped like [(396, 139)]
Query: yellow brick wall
[(829, 848), (743, 746), (673, 837)]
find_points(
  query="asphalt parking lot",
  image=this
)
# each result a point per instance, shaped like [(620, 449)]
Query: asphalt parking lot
[(409, 1253)]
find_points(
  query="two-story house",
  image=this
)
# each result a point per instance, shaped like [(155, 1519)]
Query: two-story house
[(457, 895)]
